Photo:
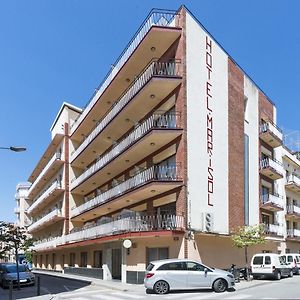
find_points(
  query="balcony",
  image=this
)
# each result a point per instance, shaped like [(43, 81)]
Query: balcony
[(52, 217), (273, 230), (157, 81), (270, 134), (53, 191), (50, 169), (46, 244), (292, 212), (157, 33), (272, 202), (155, 132), (151, 182), (271, 168), (293, 234), (293, 183), (139, 223)]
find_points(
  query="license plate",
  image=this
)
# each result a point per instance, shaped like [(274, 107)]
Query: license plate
[(23, 280)]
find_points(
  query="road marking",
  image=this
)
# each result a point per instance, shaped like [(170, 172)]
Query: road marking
[(241, 296), (66, 288), (104, 297), (123, 294)]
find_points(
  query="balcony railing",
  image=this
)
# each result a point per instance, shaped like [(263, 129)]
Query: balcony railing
[(274, 229), (129, 224), (293, 233), (155, 18), (45, 194), (293, 179), (46, 243), (270, 127), (156, 121), (269, 162), (45, 219), (154, 69), (272, 199), (154, 173), (56, 156), (293, 209)]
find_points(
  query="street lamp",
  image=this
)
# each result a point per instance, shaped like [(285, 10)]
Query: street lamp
[(15, 149)]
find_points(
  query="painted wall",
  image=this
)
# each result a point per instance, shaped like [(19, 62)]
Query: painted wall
[(207, 129)]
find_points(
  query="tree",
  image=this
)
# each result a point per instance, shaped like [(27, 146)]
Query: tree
[(14, 239), (245, 236)]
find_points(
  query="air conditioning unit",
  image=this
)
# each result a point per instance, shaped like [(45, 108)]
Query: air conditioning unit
[(208, 222)]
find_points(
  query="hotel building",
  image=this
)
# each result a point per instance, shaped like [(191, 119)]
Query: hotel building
[(176, 148)]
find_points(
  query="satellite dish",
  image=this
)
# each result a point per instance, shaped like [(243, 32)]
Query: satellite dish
[(127, 244)]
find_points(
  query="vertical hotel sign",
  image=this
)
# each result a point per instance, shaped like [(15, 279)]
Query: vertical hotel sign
[(209, 121)]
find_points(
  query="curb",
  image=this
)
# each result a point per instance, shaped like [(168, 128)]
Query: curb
[(65, 276)]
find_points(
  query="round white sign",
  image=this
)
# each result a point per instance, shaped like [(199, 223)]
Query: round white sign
[(127, 243)]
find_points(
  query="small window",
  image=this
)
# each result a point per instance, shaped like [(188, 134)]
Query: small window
[(290, 258), (192, 266), (258, 260), (176, 266), (267, 260), (150, 267)]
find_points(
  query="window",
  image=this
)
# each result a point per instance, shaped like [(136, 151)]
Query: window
[(98, 259), (192, 266), (72, 259), (267, 260), (156, 254), (246, 109), (258, 260), (83, 259), (290, 258), (176, 266)]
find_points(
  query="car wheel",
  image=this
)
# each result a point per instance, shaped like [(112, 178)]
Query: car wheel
[(161, 287), (220, 286), (277, 275)]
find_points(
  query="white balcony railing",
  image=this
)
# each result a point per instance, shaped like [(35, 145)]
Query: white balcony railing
[(56, 156), (45, 219), (155, 18), (293, 209), (274, 229), (55, 185), (156, 121), (46, 244), (293, 233), (272, 199), (154, 69), (129, 224), (161, 173), (268, 126), (268, 162), (293, 179)]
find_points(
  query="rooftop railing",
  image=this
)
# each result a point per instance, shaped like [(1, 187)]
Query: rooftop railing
[(154, 69), (156, 121), (159, 173), (165, 18)]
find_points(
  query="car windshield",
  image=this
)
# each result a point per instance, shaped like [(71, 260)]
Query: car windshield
[(13, 268)]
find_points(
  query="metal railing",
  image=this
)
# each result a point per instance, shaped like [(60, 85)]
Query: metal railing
[(163, 18), (156, 121), (272, 199), (293, 178), (293, 233), (159, 173), (269, 162), (154, 69), (268, 126), (55, 185), (274, 229), (45, 219), (46, 243), (129, 224), (293, 209), (56, 156)]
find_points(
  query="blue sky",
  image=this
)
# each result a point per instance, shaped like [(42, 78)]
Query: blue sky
[(59, 50)]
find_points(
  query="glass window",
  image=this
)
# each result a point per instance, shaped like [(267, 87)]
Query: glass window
[(290, 258), (175, 266), (150, 267), (258, 260), (192, 266), (156, 254), (267, 260)]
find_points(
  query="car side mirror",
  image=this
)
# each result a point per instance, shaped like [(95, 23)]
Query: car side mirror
[(205, 271)]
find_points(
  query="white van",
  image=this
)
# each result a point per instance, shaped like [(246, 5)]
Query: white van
[(269, 265), (293, 260)]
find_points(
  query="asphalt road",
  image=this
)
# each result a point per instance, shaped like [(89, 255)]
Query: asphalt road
[(48, 285)]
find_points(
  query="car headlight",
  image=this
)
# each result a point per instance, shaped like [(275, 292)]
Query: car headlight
[(230, 275)]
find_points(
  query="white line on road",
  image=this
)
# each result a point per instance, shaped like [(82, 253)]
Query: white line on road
[(104, 297), (127, 295), (241, 296), (66, 288)]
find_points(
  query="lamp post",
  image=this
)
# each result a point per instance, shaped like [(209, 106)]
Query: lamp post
[(15, 149)]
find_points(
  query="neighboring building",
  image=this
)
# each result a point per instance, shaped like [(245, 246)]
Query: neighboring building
[(171, 154), (21, 198)]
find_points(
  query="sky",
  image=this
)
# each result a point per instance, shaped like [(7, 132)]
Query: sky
[(60, 50)]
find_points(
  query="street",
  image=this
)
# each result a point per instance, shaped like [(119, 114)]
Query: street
[(62, 288)]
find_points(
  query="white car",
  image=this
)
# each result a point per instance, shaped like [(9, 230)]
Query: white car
[(293, 260), (183, 274)]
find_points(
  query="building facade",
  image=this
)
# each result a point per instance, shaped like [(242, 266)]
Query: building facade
[(176, 148), (21, 198)]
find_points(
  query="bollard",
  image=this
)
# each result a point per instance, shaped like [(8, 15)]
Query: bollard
[(38, 286), (10, 290)]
